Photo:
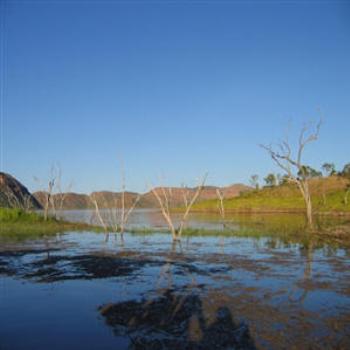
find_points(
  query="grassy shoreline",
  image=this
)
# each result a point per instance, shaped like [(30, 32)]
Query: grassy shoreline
[(327, 199), (17, 222), (267, 211)]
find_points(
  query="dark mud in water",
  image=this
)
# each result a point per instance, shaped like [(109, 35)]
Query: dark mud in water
[(77, 291), (176, 321)]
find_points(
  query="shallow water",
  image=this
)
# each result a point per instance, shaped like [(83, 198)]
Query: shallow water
[(286, 294), (152, 218), (139, 218)]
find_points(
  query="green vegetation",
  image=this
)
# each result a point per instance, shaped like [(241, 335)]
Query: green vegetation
[(327, 196), (17, 222), (283, 229)]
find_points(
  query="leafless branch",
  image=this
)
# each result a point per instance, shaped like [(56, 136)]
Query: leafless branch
[(165, 209), (284, 159)]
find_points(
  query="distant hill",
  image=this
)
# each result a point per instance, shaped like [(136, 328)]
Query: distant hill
[(108, 199), (71, 200), (327, 196), (14, 195), (176, 194)]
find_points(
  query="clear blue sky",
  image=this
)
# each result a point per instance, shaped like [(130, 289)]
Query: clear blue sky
[(175, 88)]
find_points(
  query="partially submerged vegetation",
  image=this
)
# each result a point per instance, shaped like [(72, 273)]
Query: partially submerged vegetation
[(17, 224), (164, 200)]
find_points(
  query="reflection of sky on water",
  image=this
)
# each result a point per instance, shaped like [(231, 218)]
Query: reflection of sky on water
[(64, 314)]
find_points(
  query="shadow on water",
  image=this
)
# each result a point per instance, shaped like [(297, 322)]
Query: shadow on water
[(176, 321)]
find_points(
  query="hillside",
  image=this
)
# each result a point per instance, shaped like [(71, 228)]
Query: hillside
[(108, 199), (327, 195), (14, 195), (176, 194), (71, 200)]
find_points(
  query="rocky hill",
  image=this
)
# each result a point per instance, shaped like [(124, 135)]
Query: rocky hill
[(108, 199), (71, 200), (14, 195), (176, 194)]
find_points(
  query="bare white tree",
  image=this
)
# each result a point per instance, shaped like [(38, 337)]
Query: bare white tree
[(119, 213), (61, 194), (125, 212), (47, 192), (163, 199), (292, 165), (99, 216), (220, 195)]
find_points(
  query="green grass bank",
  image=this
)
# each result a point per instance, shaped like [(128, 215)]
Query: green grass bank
[(327, 197), (16, 222)]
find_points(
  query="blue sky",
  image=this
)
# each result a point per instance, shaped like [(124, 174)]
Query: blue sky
[(174, 88)]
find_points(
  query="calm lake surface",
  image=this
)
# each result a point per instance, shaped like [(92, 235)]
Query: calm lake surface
[(270, 291)]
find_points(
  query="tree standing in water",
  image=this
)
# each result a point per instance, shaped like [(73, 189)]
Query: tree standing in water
[(292, 164), (164, 198)]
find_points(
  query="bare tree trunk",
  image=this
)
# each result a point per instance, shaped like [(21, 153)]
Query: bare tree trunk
[(122, 218), (284, 159), (189, 206), (125, 213), (305, 191), (165, 208), (309, 210), (53, 206), (98, 214), (48, 193), (221, 207), (46, 206)]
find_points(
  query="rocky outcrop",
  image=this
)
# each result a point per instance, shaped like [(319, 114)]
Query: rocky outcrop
[(14, 195)]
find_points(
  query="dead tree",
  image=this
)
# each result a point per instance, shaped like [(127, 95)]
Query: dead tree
[(163, 199), (221, 206), (48, 200), (61, 195), (117, 223), (47, 193), (125, 212), (99, 217), (292, 164)]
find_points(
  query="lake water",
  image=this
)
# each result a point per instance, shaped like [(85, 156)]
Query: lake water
[(68, 290), (152, 218), (140, 218)]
